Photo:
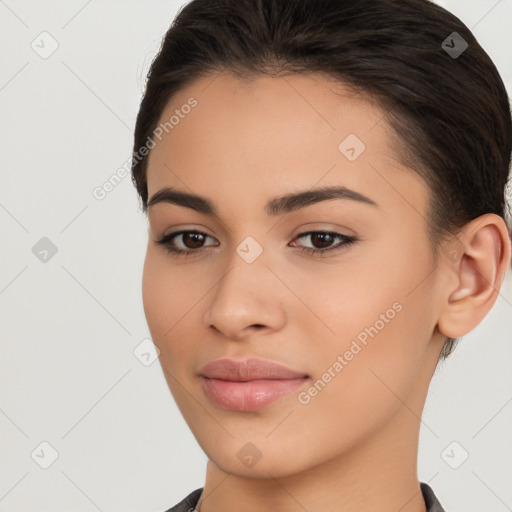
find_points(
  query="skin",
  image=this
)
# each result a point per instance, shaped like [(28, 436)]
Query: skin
[(354, 445)]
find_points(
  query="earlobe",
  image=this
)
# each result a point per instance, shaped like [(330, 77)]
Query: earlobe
[(483, 255)]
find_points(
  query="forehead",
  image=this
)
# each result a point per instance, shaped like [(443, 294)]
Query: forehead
[(269, 110), (266, 134)]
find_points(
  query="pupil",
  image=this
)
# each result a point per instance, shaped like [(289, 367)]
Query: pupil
[(316, 236), (195, 236)]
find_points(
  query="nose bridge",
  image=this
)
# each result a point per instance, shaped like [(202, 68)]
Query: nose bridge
[(248, 255), (245, 272), (242, 296)]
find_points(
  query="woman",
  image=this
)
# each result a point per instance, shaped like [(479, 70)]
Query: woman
[(324, 182)]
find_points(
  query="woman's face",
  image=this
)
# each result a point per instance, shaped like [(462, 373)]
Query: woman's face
[(359, 320)]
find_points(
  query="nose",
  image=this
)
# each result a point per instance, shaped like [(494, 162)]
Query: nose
[(245, 300)]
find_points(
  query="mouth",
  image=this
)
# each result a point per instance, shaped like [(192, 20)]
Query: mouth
[(249, 395), (248, 385)]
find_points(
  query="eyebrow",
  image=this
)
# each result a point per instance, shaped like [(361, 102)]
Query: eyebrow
[(274, 207)]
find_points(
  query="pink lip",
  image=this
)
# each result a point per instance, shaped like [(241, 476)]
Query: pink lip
[(248, 385)]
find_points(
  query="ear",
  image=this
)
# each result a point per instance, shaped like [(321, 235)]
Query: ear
[(475, 263)]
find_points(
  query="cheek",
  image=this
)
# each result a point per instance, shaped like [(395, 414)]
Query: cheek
[(165, 308), (350, 300), (165, 303), (380, 323), (154, 297), (360, 385)]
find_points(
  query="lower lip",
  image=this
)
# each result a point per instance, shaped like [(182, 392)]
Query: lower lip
[(251, 395)]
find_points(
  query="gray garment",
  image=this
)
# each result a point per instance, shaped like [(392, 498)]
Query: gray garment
[(190, 502)]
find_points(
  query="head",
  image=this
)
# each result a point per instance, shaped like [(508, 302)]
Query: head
[(249, 102)]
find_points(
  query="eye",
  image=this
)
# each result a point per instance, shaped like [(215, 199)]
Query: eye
[(192, 242), (325, 239)]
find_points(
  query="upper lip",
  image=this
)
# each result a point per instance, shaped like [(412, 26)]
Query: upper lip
[(247, 369)]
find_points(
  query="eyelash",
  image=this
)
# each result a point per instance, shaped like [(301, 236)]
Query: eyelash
[(166, 242)]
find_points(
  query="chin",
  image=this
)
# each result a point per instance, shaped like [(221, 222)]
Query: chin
[(259, 458)]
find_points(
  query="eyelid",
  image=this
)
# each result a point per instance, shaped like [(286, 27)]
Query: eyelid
[(325, 227)]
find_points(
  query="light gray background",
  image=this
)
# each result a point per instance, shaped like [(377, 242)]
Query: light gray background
[(69, 326)]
